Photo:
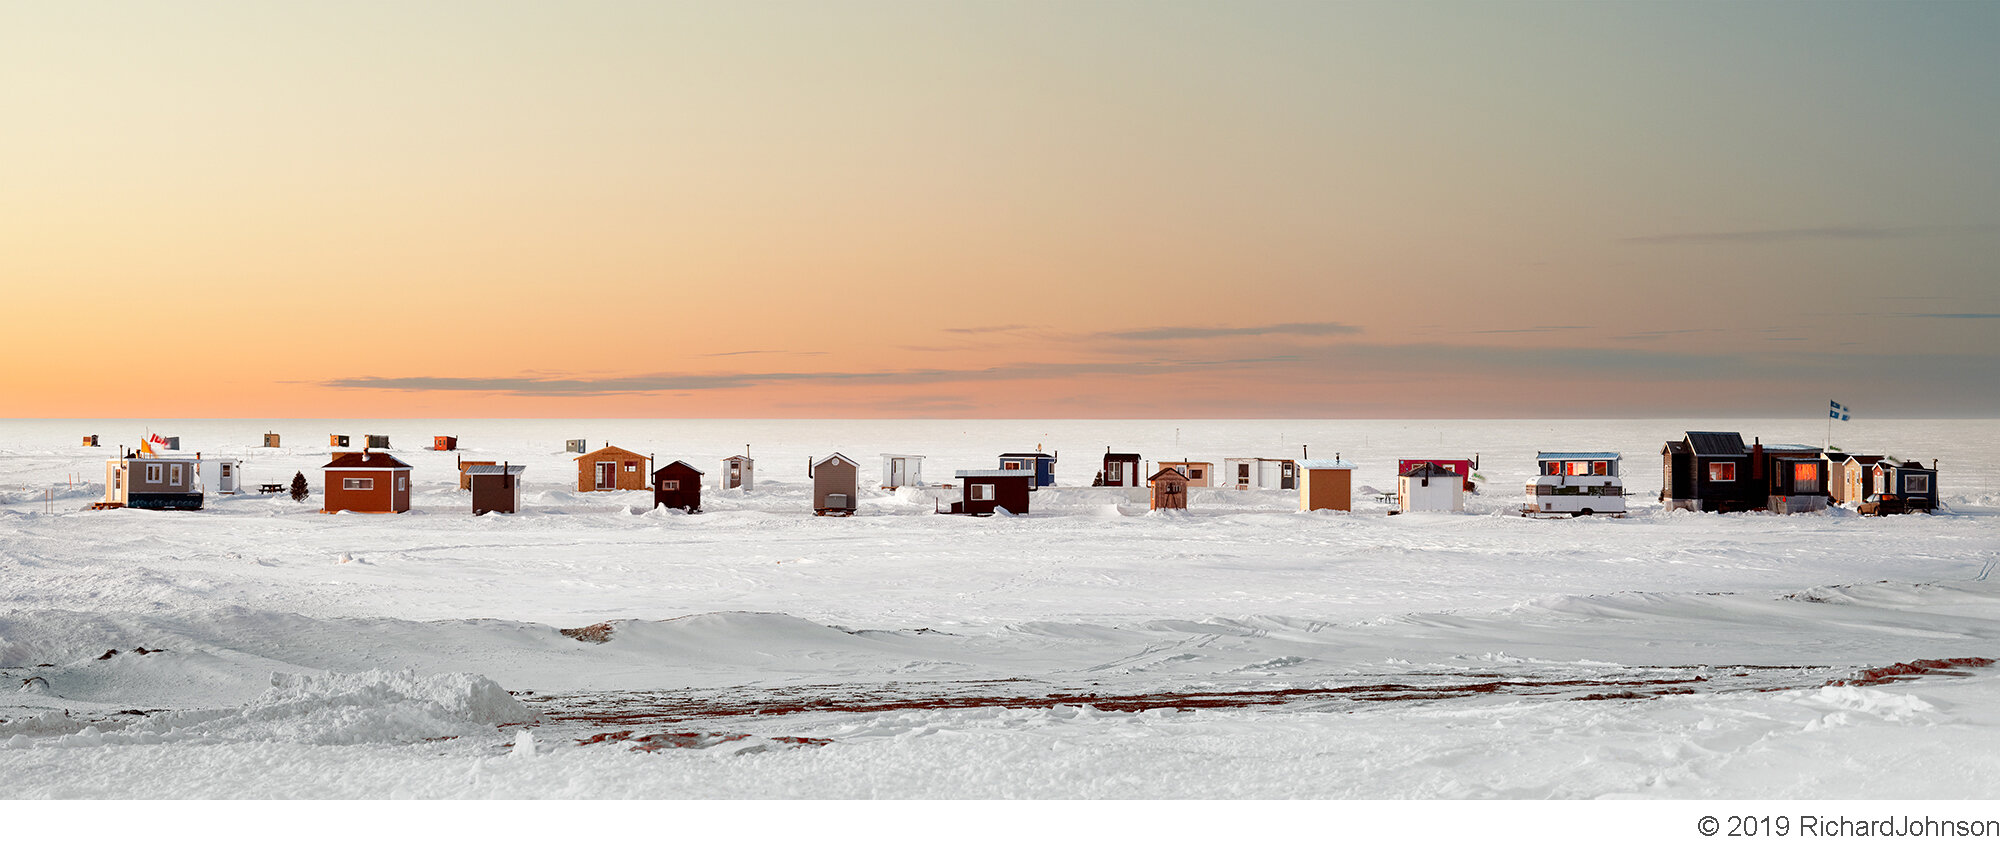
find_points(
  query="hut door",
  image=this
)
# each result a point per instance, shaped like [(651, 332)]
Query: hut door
[(735, 474), (896, 472), (607, 475)]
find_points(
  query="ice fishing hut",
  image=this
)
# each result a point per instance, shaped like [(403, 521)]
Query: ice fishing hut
[(90, 440), (611, 469), (1170, 489), (677, 485), (1326, 485), (377, 441), (368, 482), (1259, 474), (152, 482), (220, 475), (902, 470), (271, 440), (982, 492), (834, 482), (575, 445), (1121, 470), (495, 487), (1707, 471), (1427, 486), (1043, 464), (1901, 487), (1197, 473), (738, 471), (336, 440), (444, 443), (1848, 481), (1576, 483), (1462, 467), (1795, 477)]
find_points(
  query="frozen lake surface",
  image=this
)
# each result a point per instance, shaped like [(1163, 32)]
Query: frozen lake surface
[(592, 647)]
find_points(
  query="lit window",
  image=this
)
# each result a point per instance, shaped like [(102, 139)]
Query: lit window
[(1579, 468), (1552, 468), (1722, 471), (1010, 465), (1600, 468)]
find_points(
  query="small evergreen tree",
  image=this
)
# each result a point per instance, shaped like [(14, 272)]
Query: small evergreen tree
[(299, 487)]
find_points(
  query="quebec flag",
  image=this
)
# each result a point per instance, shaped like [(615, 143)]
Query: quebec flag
[(1837, 412)]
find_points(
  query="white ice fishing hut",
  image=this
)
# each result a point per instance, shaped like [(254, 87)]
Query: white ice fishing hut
[(738, 471), (221, 475), (1430, 487), (902, 471)]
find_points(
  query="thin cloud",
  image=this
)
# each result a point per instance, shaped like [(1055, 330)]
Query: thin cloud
[(1528, 331), (663, 382), (1817, 233), (1959, 316), (990, 330), (759, 352), (1187, 333)]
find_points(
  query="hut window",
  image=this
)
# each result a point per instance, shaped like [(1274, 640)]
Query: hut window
[(982, 492), (1915, 484), (1242, 474), (357, 484), (1194, 472), (631, 467), (225, 471), (1722, 471), (1600, 468), (1010, 465), (670, 485), (152, 474), (402, 483), (1111, 471), (174, 475)]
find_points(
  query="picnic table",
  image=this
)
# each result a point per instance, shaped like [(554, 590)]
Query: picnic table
[(271, 488)]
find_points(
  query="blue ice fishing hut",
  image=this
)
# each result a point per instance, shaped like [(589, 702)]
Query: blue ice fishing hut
[(1043, 464)]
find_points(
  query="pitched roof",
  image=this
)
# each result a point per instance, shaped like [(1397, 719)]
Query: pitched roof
[(844, 458), (672, 464), (494, 469), (1429, 470), (1164, 471), (969, 474), (365, 461), (1716, 443), (607, 451)]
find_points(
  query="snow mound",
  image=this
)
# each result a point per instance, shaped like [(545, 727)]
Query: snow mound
[(338, 709)]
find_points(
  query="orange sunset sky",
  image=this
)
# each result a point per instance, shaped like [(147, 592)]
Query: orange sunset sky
[(998, 209)]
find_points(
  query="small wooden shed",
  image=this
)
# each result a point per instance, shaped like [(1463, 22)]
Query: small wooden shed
[(1326, 485), (1429, 486), (90, 440), (902, 470), (1170, 488), (1121, 470), (1198, 473), (611, 469), (982, 492), (677, 485), (834, 484), (336, 440), (271, 440), (495, 487), (738, 471), (444, 443), (1850, 480), (368, 482)]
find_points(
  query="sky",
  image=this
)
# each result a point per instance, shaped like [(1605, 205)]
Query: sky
[(999, 209)]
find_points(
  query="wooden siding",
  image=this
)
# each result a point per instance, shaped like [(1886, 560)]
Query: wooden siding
[(628, 470)]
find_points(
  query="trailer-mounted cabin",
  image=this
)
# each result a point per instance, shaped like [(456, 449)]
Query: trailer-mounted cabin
[(902, 471), (1258, 474), (835, 482), (1170, 489), (611, 469), (1576, 483), (367, 482), (738, 471), (1043, 464), (152, 482), (1795, 477), (1121, 470), (1428, 486), (1902, 487), (1326, 485), (1197, 473), (677, 485), (982, 492), (495, 487), (1461, 467)]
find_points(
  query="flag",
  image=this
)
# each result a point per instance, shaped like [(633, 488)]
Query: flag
[(146, 448), (1837, 412)]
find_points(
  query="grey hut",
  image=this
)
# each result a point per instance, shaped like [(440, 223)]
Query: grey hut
[(575, 446), (378, 441), (833, 485), (495, 487), (738, 471)]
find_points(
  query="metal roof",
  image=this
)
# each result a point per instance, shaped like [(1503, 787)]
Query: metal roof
[(1792, 448), (494, 469), (1326, 464), (1576, 456), (967, 474), (1716, 443), (364, 460), (1025, 455)]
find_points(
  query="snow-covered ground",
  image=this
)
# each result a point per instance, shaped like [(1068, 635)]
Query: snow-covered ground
[(259, 648)]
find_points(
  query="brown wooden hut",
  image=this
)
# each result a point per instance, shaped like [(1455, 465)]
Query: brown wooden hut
[(1326, 485), (677, 485), (369, 482), (611, 469), (1170, 489), (982, 492), (834, 484), (271, 440), (495, 487), (444, 443)]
